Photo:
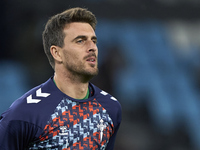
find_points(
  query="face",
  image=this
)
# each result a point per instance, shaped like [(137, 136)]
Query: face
[(79, 53)]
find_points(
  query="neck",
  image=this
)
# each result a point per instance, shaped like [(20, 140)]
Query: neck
[(72, 87)]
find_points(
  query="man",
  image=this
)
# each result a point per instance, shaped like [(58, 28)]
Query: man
[(67, 112)]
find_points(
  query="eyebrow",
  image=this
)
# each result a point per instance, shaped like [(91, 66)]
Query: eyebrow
[(84, 37)]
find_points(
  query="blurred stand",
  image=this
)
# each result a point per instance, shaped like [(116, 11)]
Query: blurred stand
[(149, 59)]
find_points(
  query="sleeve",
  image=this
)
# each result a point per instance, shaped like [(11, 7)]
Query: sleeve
[(16, 135), (111, 142), (118, 118)]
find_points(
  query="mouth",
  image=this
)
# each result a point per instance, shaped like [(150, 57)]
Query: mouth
[(91, 59)]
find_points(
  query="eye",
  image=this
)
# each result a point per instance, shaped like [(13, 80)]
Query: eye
[(80, 41), (94, 41)]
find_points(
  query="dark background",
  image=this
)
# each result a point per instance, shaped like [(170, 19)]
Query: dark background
[(149, 59)]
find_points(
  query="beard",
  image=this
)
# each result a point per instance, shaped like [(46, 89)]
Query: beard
[(81, 71)]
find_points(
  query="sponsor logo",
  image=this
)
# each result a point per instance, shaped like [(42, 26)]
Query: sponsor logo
[(63, 130), (38, 94)]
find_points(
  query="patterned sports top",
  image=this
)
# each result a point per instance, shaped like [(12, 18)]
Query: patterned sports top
[(46, 118)]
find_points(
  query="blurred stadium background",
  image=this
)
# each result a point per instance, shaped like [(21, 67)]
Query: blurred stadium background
[(149, 58)]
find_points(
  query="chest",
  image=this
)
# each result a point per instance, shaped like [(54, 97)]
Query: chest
[(77, 125)]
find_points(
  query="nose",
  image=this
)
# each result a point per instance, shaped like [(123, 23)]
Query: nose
[(92, 46)]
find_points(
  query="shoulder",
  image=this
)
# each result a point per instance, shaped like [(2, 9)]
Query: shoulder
[(110, 103), (21, 109), (34, 106), (105, 96)]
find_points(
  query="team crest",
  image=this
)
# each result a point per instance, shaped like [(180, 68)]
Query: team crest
[(101, 127)]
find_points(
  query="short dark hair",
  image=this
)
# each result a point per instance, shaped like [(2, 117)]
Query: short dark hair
[(53, 33)]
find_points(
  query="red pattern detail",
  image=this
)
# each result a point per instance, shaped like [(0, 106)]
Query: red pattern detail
[(81, 111), (75, 109)]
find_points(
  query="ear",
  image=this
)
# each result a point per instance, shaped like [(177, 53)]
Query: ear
[(56, 53)]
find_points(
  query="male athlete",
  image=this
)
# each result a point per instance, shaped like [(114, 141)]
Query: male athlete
[(67, 112)]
